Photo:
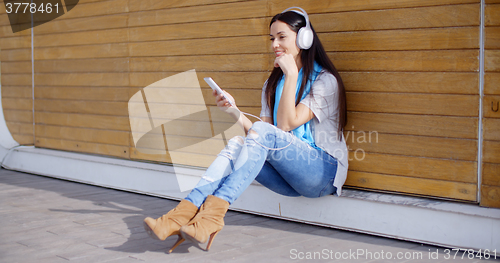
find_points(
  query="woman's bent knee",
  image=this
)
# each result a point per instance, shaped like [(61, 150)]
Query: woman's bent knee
[(260, 128), (233, 148)]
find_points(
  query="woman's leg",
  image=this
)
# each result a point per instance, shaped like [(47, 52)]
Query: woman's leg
[(297, 169), (271, 179), (309, 171), (210, 218), (250, 162), (254, 153), (217, 172)]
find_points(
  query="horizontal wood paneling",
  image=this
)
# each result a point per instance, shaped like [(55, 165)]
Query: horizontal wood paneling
[(17, 104), (491, 174), (450, 127), (83, 38), (318, 6), (15, 42), (112, 108), (418, 167), (83, 65), (6, 29), (203, 63), (16, 67), (188, 144), (409, 18), (490, 188), (15, 55), (211, 46), (22, 116), (211, 29), (492, 15), (246, 9), (23, 92), (224, 79), (141, 5), (434, 147), (92, 51), (244, 97), (490, 152), (432, 104), (410, 185), (421, 39), (4, 18), (492, 60), (417, 39), (410, 68), (120, 138), (491, 129), (23, 139), (490, 196), (413, 82), (20, 128), (115, 123), (83, 24), (83, 79), (202, 160), (84, 93), (16, 79), (465, 15), (85, 147), (93, 9), (442, 60), (491, 106), (452, 60), (490, 83), (492, 40)]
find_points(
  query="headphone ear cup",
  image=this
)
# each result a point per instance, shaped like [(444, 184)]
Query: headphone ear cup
[(305, 38)]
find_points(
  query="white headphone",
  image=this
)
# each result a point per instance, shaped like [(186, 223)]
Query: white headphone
[(305, 35)]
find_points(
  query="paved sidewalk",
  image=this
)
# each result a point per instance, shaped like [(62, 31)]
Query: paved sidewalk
[(50, 220)]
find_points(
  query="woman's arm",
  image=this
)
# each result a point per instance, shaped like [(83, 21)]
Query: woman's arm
[(289, 116), (267, 119), (223, 104)]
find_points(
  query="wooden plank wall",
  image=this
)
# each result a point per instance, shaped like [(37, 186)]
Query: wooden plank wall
[(410, 69), (490, 187), (16, 80), (411, 72)]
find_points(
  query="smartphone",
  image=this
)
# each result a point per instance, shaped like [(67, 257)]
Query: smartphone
[(215, 87)]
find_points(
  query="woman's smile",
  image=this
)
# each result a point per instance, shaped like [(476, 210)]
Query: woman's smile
[(283, 39)]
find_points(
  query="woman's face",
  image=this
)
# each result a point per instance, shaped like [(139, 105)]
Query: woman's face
[(283, 40)]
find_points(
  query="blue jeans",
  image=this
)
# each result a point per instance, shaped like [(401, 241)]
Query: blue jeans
[(295, 170)]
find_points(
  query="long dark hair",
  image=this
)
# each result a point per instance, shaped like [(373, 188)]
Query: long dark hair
[(315, 53)]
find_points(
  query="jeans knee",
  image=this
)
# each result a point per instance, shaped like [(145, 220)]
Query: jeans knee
[(233, 147), (260, 128), (238, 140)]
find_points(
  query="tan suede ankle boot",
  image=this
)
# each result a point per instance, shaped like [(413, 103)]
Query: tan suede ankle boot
[(170, 223), (208, 222)]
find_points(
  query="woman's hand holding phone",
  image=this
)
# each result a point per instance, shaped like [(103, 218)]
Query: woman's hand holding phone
[(224, 101)]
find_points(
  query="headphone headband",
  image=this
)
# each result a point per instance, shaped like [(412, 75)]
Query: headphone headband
[(305, 35), (302, 13)]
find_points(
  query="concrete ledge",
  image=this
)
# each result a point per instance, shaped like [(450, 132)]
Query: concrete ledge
[(422, 220)]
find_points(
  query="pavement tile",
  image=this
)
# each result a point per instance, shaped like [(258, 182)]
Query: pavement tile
[(50, 220)]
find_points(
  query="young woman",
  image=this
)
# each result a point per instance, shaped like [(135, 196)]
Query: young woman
[(297, 150)]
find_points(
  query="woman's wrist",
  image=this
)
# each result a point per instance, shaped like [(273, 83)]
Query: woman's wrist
[(292, 75)]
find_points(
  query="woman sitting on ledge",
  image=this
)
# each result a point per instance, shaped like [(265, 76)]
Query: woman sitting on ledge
[(297, 150)]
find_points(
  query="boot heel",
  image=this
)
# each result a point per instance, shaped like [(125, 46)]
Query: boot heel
[(179, 241), (212, 236)]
